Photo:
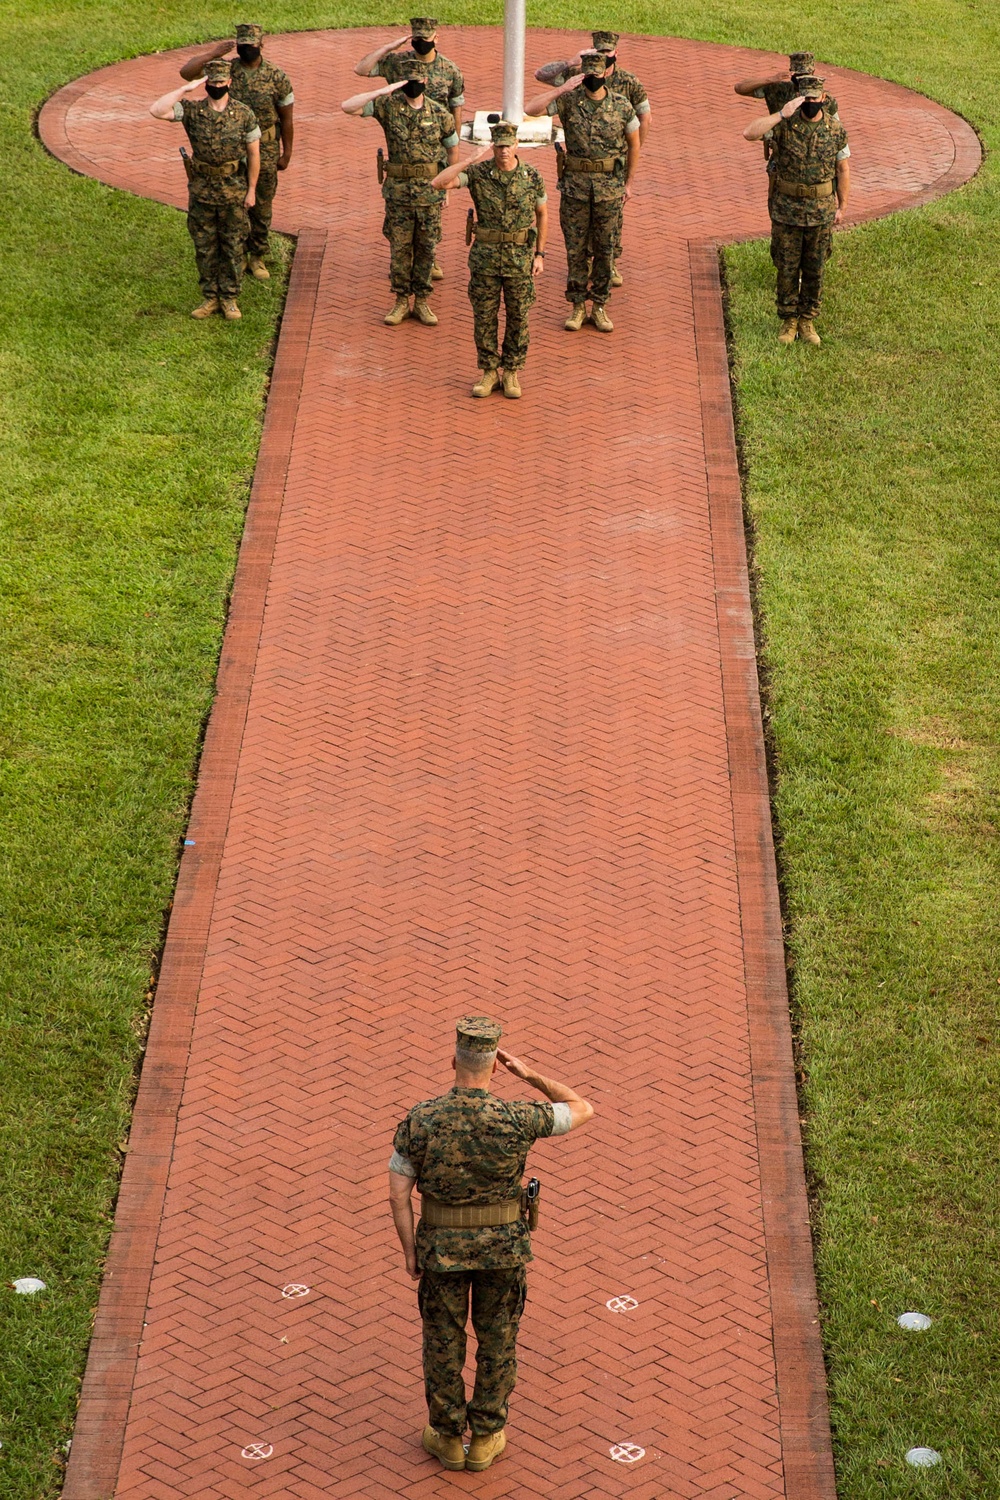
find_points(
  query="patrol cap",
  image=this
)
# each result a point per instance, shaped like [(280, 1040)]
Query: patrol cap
[(412, 67), (248, 34), (424, 26), (801, 63), (503, 133), (605, 41), (593, 62), (218, 70), (478, 1033), (809, 87)]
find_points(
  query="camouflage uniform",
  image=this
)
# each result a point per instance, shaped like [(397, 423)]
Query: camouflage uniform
[(777, 95), (412, 223), (445, 84), (469, 1147), (590, 208), (805, 153), (217, 219), (264, 88), (504, 201)]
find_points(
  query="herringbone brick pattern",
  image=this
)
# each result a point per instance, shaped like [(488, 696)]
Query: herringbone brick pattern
[(485, 766)]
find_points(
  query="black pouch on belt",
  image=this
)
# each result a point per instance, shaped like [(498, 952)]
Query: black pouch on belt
[(529, 1201)]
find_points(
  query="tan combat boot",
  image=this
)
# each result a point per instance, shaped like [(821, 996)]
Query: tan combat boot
[(257, 268), (487, 382), (789, 329), (230, 311), (207, 308), (400, 309), (436, 272), (616, 276), (577, 317), (807, 332), (511, 385), (485, 1450), (600, 319), (450, 1450), (423, 313)]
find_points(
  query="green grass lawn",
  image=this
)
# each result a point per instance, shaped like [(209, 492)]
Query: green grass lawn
[(128, 436)]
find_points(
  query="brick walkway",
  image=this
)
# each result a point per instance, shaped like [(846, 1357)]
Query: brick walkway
[(486, 738)]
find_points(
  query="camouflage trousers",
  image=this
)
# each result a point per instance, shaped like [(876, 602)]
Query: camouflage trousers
[(219, 231), (589, 229), (413, 232), (260, 214), (518, 294), (497, 1304), (800, 253)]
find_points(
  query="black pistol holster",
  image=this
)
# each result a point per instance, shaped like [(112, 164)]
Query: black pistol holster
[(529, 1201), (381, 166)]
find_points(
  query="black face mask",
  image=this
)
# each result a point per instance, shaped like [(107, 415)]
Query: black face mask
[(610, 58), (421, 45), (811, 108), (593, 83), (413, 88), (247, 54), (217, 90)]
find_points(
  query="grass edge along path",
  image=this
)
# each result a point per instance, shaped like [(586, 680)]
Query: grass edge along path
[(869, 488)]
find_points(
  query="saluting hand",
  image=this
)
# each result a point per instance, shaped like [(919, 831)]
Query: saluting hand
[(789, 109), (400, 43), (512, 1064)]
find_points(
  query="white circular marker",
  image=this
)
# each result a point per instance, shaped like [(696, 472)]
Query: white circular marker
[(295, 1289), (621, 1304), (627, 1453), (27, 1286), (256, 1451), (923, 1458), (914, 1322)]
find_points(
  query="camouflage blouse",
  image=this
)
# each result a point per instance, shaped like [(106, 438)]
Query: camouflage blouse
[(444, 82), (217, 136), (412, 135), (503, 200), (263, 88), (777, 95), (806, 152), (620, 82), (595, 128), (468, 1146)]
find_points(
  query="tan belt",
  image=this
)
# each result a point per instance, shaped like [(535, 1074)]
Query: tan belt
[(437, 1215), (502, 236), (590, 164), (214, 169), (804, 189), (268, 135), (411, 169)]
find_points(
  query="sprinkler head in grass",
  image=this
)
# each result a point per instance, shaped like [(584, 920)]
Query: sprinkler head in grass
[(923, 1458), (913, 1322)]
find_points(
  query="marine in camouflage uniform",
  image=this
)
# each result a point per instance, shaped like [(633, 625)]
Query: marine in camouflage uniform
[(505, 257), (466, 1153), (592, 188), (808, 193), (776, 92), (418, 135), (217, 187), (268, 92)]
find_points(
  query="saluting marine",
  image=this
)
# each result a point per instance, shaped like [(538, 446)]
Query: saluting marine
[(596, 172), (508, 235), (444, 82), (619, 81), (268, 91), (222, 175), (419, 134), (465, 1152), (777, 90), (812, 181)]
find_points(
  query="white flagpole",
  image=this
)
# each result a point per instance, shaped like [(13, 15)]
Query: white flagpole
[(513, 61)]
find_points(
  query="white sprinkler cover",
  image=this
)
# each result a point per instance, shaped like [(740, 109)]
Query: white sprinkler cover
[(914, 1322), (923, 1458), (28, 1285)]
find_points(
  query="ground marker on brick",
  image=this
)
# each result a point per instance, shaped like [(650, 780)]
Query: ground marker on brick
[(295, 1289), (914, 1322), (627, 1453), (27, 1286), (257, 1451), (621, 1304), (923, 1458)]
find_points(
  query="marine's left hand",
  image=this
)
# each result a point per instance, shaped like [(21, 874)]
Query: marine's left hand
[(838, 216), (412, 1269), (284, 161), (537, 265), (250, 199)]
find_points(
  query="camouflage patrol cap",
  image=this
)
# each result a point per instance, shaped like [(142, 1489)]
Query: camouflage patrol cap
[(801, 63), (248, 34), (478, 1034), (605, 41), (423, 26), (218, 70), (809, 87), (593, 62), (412, 67), (503, 133)]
